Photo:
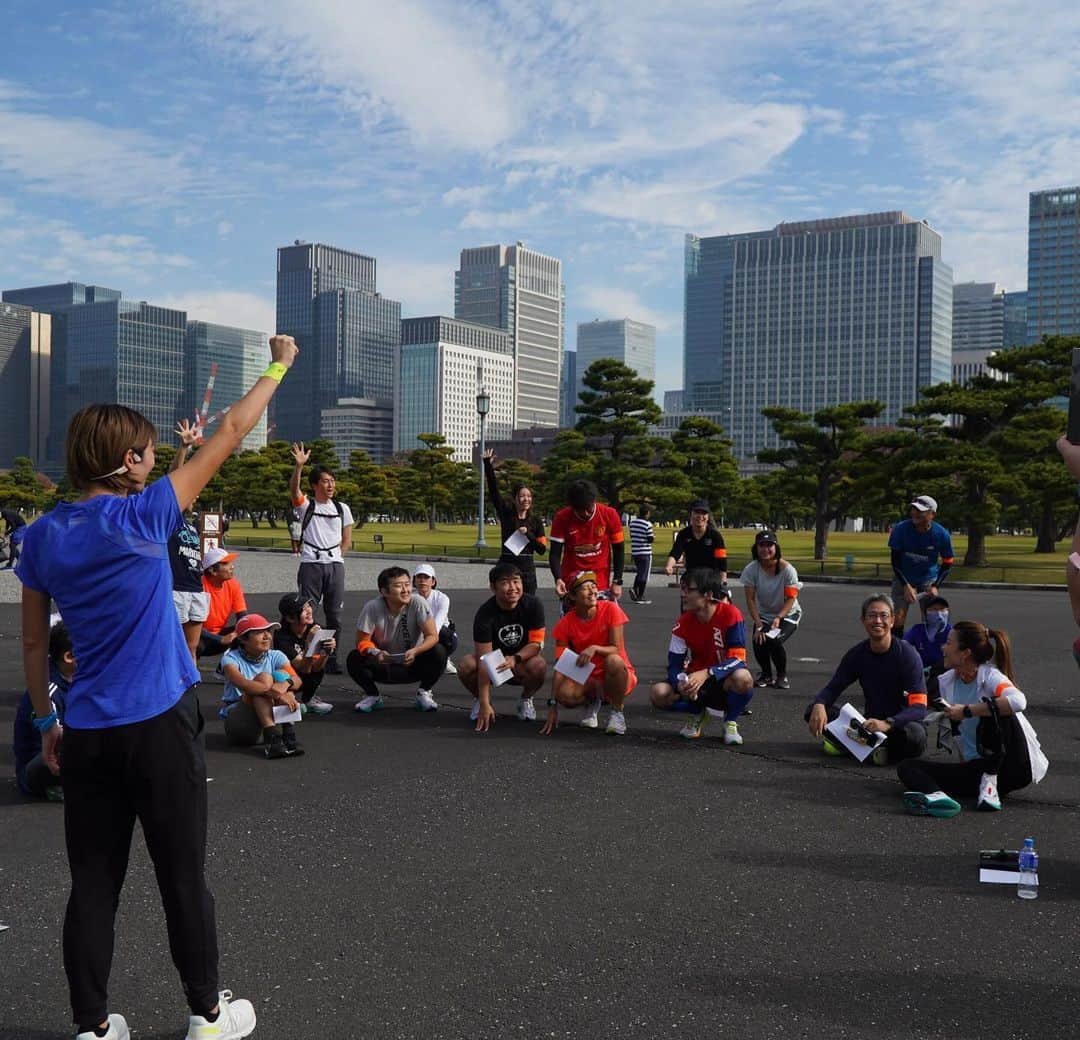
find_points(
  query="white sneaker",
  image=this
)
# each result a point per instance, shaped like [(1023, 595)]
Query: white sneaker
[(989, 799), (589, 720), (474, 712), (236, 1018), (370, 703), (616, 723), (526, 710), (425, 702), (716, 713), (694, 727), (317, 706), (451, 668), (118, 1030), (731, 733)]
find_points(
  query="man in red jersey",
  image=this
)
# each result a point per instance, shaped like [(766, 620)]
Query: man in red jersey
[(707, 660), (587, 536)]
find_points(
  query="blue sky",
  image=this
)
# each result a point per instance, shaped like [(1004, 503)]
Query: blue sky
[(167, 148)]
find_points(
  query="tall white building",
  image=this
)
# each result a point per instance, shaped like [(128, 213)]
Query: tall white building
[(520, 291), (631, 342), (442, 366)]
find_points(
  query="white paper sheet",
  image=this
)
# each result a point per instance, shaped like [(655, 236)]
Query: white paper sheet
[(567, 664), (282, 714), (318, 635), (517, 542), (491, 661), (998, 877), (839, 727), (773, 633)]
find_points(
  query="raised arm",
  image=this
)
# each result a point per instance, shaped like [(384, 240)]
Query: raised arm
[(236, 424), (300, 458)]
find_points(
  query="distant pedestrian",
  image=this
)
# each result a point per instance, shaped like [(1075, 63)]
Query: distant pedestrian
[(132, 735), (190, 598), (326, 527), (16, 528), (516, 516), (922, 555), (641, 550)]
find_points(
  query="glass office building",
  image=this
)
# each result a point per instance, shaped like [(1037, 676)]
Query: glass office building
[(521, 291), (360, 422), (444, 363), (567, 386), (1015, 319), (813, 314), (346, 332), (240, 357), (1053, 292), (14, 382), (631, 342)]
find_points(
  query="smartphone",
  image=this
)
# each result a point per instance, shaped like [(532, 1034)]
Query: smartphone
[(1073, 433)]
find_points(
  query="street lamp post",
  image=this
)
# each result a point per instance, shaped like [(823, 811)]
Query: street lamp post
[(483, 406)]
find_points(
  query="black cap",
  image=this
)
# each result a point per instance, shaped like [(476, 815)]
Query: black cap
[(765, 536), (699, 505), (292, 603)]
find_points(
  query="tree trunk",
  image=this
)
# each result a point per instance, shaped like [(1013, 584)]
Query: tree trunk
[(821, 522), (976, 550), (1046, 529)]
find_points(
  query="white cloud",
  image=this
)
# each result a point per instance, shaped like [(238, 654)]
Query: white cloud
[(224, 228), (612, 303), (244, 310), (466, 196), (87, 161), (512, 220), (423, 287)]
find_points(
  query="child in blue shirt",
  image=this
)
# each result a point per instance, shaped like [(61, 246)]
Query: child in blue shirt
[(256, 678), (929, 636), (31, 773)]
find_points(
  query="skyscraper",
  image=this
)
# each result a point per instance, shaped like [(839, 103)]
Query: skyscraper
[(1053, 300), (813, 314), (567, 390), (444, 363), (14, 381), (347, 334), (978, 317), (1015, 320), (631, 342), (237, 357), (521, 291)]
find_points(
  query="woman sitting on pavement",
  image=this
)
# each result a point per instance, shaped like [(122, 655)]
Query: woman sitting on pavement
[(998, 748), (297, 626), (593, 631), (772, 587)]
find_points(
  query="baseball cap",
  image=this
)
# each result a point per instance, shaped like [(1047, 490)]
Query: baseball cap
[(580, 578), (212, 557), (292, 603), (925, 504), (699, 505), (254, 623), (424, 568), (765, 536)]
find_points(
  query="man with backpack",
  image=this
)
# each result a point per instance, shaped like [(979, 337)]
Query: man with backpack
[(325, 533)]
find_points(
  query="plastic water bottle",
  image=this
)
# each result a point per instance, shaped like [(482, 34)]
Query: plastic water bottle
[(1028, 885), (681, 678)]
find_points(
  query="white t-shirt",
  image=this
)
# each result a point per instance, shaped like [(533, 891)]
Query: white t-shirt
[(439, 605), (322, 536)]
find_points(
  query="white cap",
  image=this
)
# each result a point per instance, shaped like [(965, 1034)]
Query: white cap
[(424, 568), (215, 556), (925, 504)]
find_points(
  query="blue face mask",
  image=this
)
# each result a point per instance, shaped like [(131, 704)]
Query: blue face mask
[(936, 621)]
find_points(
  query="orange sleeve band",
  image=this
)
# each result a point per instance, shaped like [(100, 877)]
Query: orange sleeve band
[(790, 592), (617, 536), (946, 559), (916, 699), (720, 554), (364, 645), (1001, 688), (738, 652), (299, 501), (292, 671), (536, 635), (542, 540)]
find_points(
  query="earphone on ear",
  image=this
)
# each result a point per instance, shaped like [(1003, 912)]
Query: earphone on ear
[(136, 456)]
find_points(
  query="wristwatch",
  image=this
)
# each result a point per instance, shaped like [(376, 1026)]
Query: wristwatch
[(967, 711), (552, 703)]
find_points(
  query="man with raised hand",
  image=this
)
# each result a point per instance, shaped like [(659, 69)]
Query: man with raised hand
[(513, 623), (325, 535)]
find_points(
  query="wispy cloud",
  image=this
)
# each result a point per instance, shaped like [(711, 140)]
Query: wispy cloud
[(225, 307), (612, 302)]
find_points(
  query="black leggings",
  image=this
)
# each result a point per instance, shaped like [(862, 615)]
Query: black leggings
[(425, 670), (962, 779), (770, 654)]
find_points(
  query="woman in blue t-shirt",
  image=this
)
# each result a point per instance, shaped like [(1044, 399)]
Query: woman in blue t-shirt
[(131, 736)]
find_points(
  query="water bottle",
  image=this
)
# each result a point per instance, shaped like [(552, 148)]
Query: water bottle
[(1028, 885), (680, 679)]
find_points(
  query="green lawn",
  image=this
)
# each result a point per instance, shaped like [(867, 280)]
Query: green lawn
[(1011, 559)]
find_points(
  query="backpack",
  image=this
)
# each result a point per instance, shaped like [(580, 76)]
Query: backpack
[(308, 514)]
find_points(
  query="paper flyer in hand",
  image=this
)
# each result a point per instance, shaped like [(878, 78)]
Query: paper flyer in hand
[(318, 635), (567, 664), (517, 542), (282, 714), (491, 661), (842, 724)]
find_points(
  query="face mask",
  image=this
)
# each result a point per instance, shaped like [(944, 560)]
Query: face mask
[(936, 621)]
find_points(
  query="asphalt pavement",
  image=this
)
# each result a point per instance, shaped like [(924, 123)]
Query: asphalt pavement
[(410, 878)]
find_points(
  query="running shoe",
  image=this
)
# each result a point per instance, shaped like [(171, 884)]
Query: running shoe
[(425, 702), (236, 1018), (317, 706), (616, 723), (937, 804), (451, 668), (832, 749), (526, 710), (880, 756), (731, 733), (276, 748), (694, 727), (118, 1030), (370, 703), (989, 799), (782, 683), (764, 679), (590, 720)]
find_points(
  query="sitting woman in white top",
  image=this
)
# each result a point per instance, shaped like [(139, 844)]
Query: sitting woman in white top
[(772, 587), (998, 747), (424, 582)]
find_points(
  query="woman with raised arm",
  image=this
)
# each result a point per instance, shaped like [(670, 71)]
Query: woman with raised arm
[(132, 733), (516, 517)]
